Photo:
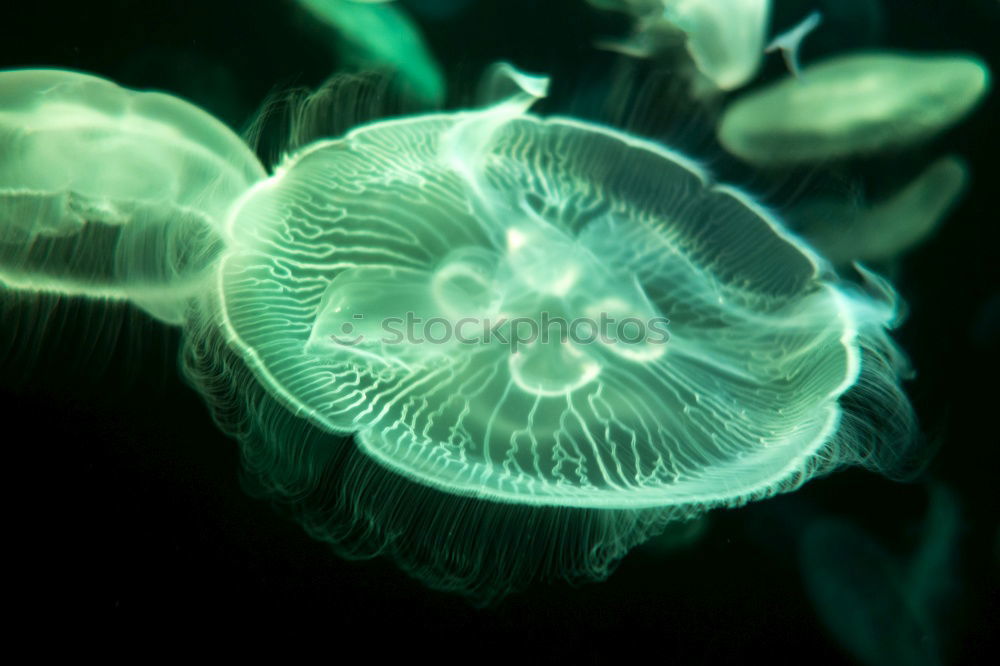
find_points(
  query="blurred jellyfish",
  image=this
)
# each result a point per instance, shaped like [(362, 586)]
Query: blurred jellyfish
[(985, 332), (547, 338), (725, 38), (854, 104), (882, 610), (382, 34), (844, 233), (110, 192)]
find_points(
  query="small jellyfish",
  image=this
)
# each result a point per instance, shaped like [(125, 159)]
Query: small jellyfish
[(546, 337), (881, 609), (854, 104), (885, 230), (110, 192), (383, 34), (725, 38)]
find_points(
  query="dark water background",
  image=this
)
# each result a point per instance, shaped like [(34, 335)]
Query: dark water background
[(125, 500)]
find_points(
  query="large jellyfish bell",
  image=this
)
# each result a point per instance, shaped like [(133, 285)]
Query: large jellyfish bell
[(381, 284)]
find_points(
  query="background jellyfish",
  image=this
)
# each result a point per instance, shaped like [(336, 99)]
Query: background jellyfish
[(858, 103), (110, 192), (498, 215), (880, 608), (383, 34), (844, 233), (724, 38)]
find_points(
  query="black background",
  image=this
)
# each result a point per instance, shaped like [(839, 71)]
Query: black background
[(125, 502)]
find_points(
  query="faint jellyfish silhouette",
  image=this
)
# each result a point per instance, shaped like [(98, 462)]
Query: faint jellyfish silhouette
[(383, 34), (985, 330), (488, 458), (853, 104), (844, 233), (724, 38), (882, 610), (112, 193)]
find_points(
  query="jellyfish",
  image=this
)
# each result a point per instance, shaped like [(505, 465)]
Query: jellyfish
[(887, 229), (500, 347), (854, 104), (725, 39), (110, 192), (383, 34), (882, 609)]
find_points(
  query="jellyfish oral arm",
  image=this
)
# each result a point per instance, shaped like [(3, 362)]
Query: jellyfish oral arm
[(790, 42)]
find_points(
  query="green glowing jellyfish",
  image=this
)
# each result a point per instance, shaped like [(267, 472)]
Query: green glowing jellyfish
[(404, 217), (393, 285), (881, 609), (111, 192), (854, 104), (844, 233), (725, 38), (383, 34)]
